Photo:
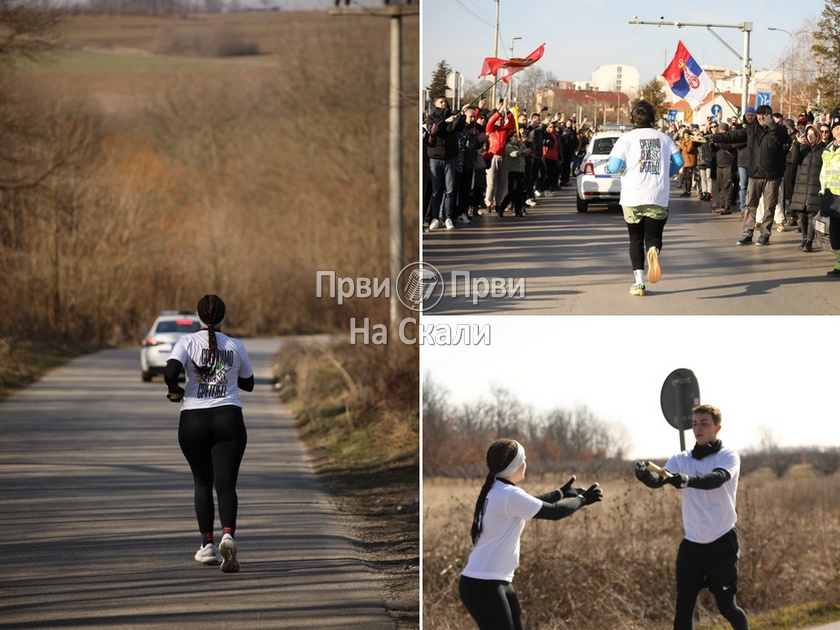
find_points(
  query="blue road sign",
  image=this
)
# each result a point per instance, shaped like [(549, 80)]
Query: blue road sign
[(762, 98), (716, 110), (672, 115)]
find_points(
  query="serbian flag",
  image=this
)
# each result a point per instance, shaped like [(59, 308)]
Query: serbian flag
[(507, 67), (687, 79)]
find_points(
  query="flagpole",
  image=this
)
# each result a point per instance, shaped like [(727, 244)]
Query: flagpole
[(726, 100), (495, 54)]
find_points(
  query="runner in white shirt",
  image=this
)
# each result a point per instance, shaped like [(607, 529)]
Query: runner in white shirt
[(646, 159), (211, 430), (708, 556), (500, 515)]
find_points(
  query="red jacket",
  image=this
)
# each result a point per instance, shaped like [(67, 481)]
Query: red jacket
[(498, 134)]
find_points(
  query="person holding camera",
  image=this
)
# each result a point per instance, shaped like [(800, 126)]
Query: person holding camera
[(708, 556), (443, 126), (501, 512), (211, 430)]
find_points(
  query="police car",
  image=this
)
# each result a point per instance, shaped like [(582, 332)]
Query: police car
[(594, 184)]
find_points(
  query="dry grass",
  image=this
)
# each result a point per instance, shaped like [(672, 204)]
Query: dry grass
[(611, 565)]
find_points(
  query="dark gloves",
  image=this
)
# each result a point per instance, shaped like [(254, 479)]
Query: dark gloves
[(570, 492), (644, 475), (176, 396), (593, 494), (678, 480)]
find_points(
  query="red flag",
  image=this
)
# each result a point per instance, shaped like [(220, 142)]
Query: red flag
[(508, 66)]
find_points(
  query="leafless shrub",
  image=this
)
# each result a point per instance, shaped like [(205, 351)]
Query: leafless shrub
[(220, 42)]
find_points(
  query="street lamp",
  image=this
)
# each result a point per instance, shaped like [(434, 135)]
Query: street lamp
[(790, 93), (595, 117), (510, 86)]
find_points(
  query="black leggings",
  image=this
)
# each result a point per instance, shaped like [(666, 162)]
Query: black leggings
[(213, 441), (492, 603), (645, 234), (713, 565)]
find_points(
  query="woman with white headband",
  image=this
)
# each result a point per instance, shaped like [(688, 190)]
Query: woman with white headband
[(501, 512)]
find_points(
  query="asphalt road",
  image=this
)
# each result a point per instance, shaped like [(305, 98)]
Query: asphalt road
[(578, 264), (98, 523)]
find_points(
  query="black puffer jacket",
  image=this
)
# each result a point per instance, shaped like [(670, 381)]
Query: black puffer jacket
[(806, 190), (766, 146), (443, 136)]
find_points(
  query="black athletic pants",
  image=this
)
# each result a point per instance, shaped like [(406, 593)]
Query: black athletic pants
[(644, 235), (715, 566), (492, 603), (213, 441)]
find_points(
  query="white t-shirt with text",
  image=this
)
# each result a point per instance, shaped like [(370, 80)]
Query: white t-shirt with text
[(646, 154), (222, 388)]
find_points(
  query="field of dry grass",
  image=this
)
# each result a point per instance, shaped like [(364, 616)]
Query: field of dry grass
[(611, 565)]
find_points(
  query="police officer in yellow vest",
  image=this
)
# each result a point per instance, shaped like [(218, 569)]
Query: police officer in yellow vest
[(830, 181)]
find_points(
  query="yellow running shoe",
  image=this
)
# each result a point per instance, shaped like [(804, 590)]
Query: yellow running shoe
[(654, 270), (637, 289)]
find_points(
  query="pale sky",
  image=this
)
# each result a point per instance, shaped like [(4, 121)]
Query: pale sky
[(764, 373), (580, 36)]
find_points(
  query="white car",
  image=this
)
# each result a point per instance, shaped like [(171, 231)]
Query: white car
[(159, 340), (594, 184)]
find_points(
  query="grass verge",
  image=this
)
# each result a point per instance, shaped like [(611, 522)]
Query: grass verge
[(791, 618), (22, 362), (358, 414)]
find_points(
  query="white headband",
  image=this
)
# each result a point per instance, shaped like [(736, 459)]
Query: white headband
[(516, 463)]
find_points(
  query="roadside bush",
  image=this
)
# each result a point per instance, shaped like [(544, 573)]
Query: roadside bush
[(220, 42)]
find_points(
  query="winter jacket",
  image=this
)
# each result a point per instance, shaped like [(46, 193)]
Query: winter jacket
[(806, 190), (766, 146), (498, 133), (689, 152), (705, 155), (443, 136)]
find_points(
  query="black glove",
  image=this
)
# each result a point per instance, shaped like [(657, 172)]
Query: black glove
[(593, 494), (678, 480), (644, 475), (176, 396), (569, 492)]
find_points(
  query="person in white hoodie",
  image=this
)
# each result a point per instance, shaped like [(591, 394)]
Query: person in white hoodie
[(501, 511), (708, 556)]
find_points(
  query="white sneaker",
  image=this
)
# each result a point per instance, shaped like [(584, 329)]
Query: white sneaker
[(435, 224), (531, 202), (449, 224), (463, 218), (228, 550), (549, 193), (207, 554), (538, 193)]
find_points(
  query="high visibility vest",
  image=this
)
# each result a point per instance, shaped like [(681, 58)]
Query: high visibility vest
[(830, 172)]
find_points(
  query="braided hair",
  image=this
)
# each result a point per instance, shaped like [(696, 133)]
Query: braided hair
[(499, 456), (211, 312)]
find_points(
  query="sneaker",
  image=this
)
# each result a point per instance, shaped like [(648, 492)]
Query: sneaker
[(834, 273), (228, 550), (654, 270), (531, 202), (449, 225), (207, 554), (463, 218), (807, 247), (763, 240), (746, 239), (435, 224), (538, 193), (726, 211), (780, 227), (549, 193), (639, 289)]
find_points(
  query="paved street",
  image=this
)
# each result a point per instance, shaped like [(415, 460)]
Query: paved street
[(98, 523), (578, 264)]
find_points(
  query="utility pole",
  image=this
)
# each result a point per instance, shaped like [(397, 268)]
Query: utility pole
[(493, 102), (395, 190), (746, 27)]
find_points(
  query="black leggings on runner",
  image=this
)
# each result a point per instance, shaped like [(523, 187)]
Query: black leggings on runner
[(492, 603), (644, 235), (213, 441), (713, 565)]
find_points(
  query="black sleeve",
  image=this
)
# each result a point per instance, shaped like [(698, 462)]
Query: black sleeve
[(246, 383), (654, 481), (714, 479), (556, 511), (733, 135), (550, 497), (171, 373)]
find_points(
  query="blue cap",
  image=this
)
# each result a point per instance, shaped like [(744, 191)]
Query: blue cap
[(750, 110)]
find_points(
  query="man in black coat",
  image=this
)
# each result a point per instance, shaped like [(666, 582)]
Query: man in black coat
[(766, 143)]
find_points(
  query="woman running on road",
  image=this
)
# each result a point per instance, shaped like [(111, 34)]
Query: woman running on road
[(211, 431)]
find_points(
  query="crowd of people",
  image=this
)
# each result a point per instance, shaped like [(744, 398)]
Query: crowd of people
[(769, 168), (482, 161), (773, 171)]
